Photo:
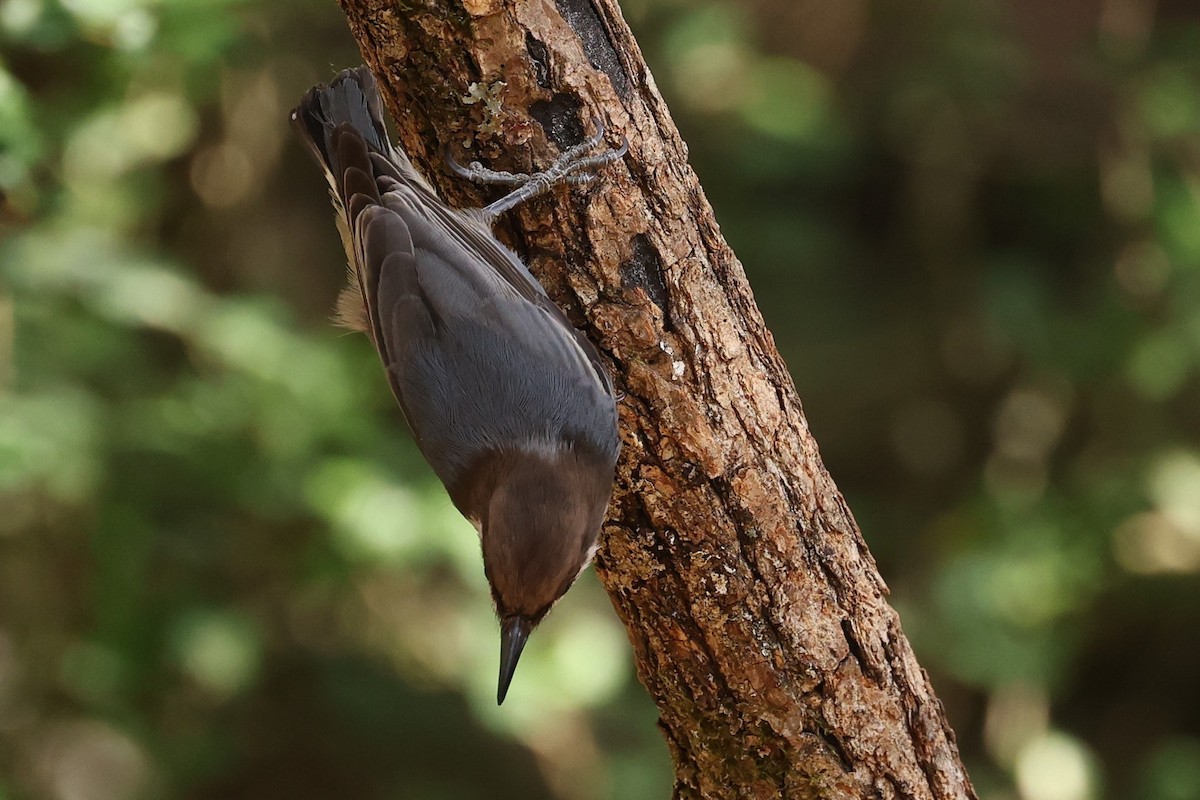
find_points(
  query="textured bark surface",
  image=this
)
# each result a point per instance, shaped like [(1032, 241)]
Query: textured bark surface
[(757, 614)]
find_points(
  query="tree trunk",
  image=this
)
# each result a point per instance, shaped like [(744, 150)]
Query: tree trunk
[(757, 615)]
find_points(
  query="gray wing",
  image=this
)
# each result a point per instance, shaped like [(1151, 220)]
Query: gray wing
[(454, 232), (476, 365)]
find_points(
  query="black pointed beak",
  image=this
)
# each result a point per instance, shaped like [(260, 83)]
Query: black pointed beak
[(514, 632)]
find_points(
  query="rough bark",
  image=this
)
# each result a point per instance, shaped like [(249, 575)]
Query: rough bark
[(757, 614)]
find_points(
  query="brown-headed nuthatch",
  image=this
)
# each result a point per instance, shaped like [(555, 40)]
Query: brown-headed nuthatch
[(511, 406)]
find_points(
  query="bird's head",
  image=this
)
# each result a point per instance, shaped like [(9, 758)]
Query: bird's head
[(539, 531)]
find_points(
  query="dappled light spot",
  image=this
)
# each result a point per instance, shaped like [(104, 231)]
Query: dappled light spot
[(91, 760), (1056, 766), (150, 127), (221, 651), (1150, 543), (1159, 364), (1174, 484), (1017, 713)]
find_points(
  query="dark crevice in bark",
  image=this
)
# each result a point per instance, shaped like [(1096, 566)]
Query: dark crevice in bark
[(559, 118), (868, 667), (643, 270), (540, 56), (837, 748), (583, 18)]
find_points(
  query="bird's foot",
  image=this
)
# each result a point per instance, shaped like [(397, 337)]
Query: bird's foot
[(569, 168)]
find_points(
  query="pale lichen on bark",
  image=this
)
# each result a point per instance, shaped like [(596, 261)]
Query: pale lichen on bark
[(757, 615)]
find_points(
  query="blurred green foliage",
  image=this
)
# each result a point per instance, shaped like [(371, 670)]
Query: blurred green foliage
[(224, 572)]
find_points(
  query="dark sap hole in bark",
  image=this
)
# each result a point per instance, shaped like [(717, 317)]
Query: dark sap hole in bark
[(559, 118), (583, 18), (644, 270)]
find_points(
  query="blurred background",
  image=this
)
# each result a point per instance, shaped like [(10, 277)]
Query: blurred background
[(973, 225)]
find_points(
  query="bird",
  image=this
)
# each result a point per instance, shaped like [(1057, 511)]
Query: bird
[(511, 405)]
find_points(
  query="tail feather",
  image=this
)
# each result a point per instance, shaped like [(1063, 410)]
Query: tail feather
[(343, 126), (351, 98), (342, 123)]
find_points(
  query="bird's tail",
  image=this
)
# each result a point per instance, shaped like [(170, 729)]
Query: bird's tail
[(343, 126), (349, 103)]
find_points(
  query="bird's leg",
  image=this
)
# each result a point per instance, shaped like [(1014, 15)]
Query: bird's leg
[(478, 173), (567, 168)]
